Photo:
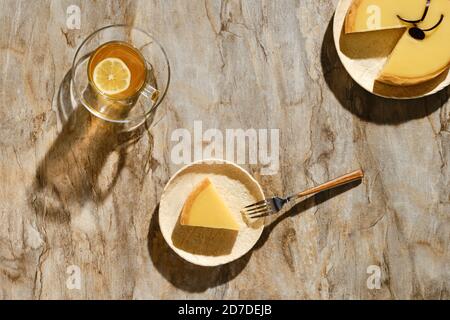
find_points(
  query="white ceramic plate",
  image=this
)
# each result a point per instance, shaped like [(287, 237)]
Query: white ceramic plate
[(205, 246), (363, 56)]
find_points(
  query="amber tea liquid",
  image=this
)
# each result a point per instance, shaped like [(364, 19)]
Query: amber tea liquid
[(130, 56)]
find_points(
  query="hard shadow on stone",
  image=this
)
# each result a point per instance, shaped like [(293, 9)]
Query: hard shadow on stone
[(365, 105), (185, 275), (68, 175), (303, 206)]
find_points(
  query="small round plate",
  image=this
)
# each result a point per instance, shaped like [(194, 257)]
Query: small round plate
[(364, 55), (205, 246)]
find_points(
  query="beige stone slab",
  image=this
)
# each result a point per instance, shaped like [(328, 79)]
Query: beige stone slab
[(74, 191)]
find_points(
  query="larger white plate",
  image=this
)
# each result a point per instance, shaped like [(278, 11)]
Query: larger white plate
[(363, 56), (205, 246)]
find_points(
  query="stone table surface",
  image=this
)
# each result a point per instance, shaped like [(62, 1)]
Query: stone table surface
[(79, 198)]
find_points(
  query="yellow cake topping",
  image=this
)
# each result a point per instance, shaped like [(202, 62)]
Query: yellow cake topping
[(205, 208), (423, 52), (372, 15)]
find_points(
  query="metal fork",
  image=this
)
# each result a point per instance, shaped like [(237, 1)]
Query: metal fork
[(273, 205)]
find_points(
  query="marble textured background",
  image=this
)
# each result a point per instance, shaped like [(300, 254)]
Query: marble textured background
[(74, 191)]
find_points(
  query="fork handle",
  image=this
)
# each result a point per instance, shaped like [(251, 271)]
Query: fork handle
[(346, 178)]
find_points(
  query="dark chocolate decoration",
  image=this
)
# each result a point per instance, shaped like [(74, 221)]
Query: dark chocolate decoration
[(436, 25), (427, 6), (416, 33), (419, 34)]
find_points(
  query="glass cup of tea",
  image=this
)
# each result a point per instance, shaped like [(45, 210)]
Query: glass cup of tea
[(120, 74)]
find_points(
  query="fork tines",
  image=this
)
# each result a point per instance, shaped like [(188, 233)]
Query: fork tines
[(258, 209)]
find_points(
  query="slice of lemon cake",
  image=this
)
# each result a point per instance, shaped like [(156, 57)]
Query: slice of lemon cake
[(205, 208)]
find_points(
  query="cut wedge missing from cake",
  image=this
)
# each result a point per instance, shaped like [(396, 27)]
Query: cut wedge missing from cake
[(204, 207), (423, 51)]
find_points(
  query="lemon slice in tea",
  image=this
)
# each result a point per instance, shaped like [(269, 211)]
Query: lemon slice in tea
[(112, 76)]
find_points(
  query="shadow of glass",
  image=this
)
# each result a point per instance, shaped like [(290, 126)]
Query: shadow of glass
[(365, 105), (68, 175), (183, 274)]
